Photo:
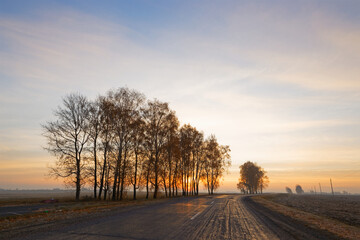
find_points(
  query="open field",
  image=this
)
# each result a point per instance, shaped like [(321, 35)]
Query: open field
[(344, 208), (336, 214), (20, 197), (15, 197)]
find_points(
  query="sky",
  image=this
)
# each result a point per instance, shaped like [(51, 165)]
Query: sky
[(277, 81)]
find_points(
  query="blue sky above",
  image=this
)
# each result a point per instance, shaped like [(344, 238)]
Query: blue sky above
[(277, 81)]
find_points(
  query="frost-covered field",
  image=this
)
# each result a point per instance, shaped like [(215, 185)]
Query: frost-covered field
[(344, 208)]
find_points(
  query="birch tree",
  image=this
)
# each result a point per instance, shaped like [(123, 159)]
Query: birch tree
[(66, 139), (155, 115)]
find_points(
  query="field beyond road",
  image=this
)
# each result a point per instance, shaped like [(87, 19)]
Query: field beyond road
[(344, 208), (339, 214), (203, 217)]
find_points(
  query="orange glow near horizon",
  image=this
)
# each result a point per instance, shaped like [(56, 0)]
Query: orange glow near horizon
[(13, 177), (31, 172)]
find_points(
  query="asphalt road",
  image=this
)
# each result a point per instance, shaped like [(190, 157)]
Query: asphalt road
[(206, 217)]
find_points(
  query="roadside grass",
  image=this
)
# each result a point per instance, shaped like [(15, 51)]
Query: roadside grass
[(33, 200), (311, 219), (13, 199), (67, 208)]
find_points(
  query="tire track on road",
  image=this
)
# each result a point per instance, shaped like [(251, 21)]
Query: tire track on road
[(228, 218)]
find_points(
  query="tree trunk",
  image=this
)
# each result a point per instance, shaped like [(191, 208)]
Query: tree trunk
[(147, 183), (115, 182), (170, 174), (103, 173), (105, 192), (187, 182), (165, 187), (197, 188), (78, 179), (183, 182), (174, 179), (118, 184), (193, 184), (116, 176), (123, 175), (173, 185), (95, 168), (208, 182), (107, 172), (156, 174), (135, 177), (212, 182)]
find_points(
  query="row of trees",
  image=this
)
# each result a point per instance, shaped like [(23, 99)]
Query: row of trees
[(122, 141), (253, 178)]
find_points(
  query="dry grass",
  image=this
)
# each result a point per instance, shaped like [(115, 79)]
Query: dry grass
[(66, 209), (302, 209), (56, 212)]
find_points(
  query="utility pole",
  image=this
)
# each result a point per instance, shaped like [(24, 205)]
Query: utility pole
[(320, 188), (332, 190)]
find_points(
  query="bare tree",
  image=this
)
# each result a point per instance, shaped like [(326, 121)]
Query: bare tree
[(138, 141), (198, 159), (118, 142), (253, 177), (172, 149), (216, 163), (67, 137), (263, 181), (124, 104), (186, 145), (155, 115), (106, 138), (192, 155), (94, 127), (241, 186)]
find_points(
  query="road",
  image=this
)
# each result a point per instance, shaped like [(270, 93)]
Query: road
[(206, 217)]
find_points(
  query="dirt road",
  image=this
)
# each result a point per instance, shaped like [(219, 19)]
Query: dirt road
[(207, 217)]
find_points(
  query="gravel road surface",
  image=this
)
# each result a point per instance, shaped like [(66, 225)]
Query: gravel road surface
[(205, 217)]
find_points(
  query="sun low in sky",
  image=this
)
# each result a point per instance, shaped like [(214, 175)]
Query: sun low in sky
[(277, 81)]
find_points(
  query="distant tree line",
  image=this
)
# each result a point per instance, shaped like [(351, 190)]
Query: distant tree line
[(253, 178), (123, 141)]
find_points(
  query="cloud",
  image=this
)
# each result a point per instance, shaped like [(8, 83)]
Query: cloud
[(303, 44)]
